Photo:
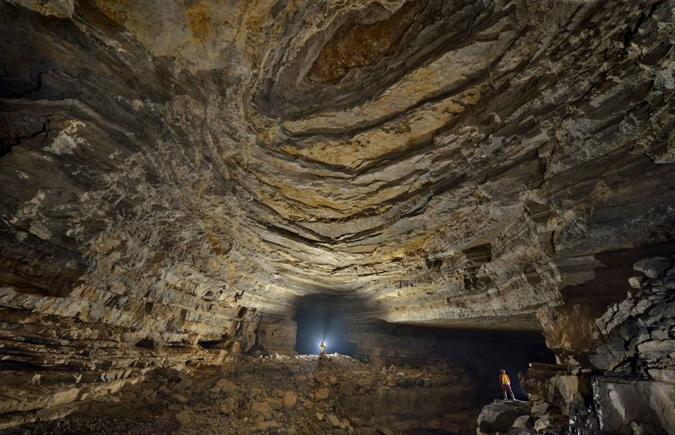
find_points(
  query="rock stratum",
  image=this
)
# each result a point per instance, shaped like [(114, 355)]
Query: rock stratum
[(176, 177)]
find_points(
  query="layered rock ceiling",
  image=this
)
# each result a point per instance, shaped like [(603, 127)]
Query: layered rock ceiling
[(176, 174)]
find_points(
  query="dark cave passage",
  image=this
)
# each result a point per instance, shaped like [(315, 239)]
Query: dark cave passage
[(330, 319), (347, 329)]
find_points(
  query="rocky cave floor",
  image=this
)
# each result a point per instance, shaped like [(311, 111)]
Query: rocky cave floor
[(276, 395), (626, 386)]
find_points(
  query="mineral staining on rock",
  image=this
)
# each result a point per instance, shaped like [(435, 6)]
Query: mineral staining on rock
[(176, 175), (360, 45)]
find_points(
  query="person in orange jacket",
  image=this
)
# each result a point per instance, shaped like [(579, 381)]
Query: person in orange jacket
[(505, 382)]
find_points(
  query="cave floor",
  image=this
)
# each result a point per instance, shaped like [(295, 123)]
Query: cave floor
[(277, 395)]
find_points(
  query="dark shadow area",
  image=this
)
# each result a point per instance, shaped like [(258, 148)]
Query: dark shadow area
[(345, 323), (482, 353)]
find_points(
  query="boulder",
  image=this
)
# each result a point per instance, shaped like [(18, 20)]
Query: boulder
[(224, 386), (263, 409), (333, 420), (647, 403), (263, 426), (542, 423), (179, 398), (540, 408), (364, 382), (345, 388), (227, 406), (523, 422), (653, 267), (635, 281), (321, 394), (274, 403), (183, 417), (568, 389), (290, 399), (500, 416)]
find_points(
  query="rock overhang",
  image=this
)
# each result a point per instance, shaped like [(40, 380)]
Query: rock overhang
[(176, 177), (309, 163)]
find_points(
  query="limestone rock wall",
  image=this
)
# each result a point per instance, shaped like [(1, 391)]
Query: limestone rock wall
[(638, 354), (627, 384), (173, 172)]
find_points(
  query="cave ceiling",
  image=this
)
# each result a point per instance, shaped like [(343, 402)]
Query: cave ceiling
[(454, 163)]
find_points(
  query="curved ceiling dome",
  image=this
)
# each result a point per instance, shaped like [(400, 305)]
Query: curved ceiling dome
[(446, 160), (177, 177)]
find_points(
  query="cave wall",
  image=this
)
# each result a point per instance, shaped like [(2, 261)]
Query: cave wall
[(624, 383), (173, 176), (637, 354)]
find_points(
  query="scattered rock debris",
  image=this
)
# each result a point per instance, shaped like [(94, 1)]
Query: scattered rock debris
[(267, 395)]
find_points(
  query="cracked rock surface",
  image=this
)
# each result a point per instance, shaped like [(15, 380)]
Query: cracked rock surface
[(175, 176), (628, 383)]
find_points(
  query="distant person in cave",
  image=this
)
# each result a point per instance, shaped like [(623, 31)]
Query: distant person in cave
[(505, 382), (322, 353)]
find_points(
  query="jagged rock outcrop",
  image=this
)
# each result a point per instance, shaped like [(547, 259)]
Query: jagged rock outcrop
[(628, 386), (175, 176), (501, 416), (637, 388)]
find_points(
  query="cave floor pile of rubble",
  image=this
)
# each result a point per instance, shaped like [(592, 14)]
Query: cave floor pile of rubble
[(275, 395)]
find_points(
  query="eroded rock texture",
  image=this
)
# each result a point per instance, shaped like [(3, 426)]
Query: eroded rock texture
[(175, 175), (629, 385)]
